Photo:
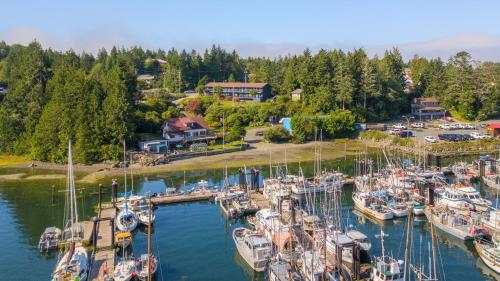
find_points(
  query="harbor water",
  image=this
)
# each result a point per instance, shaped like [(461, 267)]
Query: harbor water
[(192, 240)]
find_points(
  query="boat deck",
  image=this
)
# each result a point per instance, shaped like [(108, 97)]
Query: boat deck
[(259, 200)]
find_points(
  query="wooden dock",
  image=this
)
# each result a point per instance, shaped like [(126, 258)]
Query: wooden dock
[(258, 199), (103, 259), (171, 199)]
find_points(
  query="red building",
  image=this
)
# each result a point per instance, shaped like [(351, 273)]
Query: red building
[(494, 129)]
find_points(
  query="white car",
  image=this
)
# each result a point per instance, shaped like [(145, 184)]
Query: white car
[(479, 136), (430, 139), (417, 125), (468, 126), (394, 131), (399, 126), (445, 126)]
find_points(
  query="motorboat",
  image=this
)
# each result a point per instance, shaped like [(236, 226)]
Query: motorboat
[(123, 239), (144, 217), (449, 221), (253, 247), (398, 209), (386, 267), (472, 196), (489, 252), (126, 221), (454, 199), (49, 239)]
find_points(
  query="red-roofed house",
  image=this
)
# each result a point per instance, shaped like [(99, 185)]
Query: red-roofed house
[(426, 108), (494, 129), (185, 129), (242, 91)]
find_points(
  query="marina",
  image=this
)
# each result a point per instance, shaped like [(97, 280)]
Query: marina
[(103, 258)]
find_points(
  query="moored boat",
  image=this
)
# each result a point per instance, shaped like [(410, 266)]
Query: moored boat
[(49, 239), (123, 239), (125, 270), (489, 252), (253, 247), (142, 266), (363, 202)]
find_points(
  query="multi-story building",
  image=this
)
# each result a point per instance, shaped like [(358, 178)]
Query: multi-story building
[(239, 90), (426, 108)]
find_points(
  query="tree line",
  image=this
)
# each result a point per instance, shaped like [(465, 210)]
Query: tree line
[(96, 102)]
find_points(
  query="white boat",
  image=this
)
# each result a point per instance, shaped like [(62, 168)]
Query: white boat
[(126, 221), (492, 181), (363, 202), (74, 264), (489, 252), (339, 239), (124, 270), (385, 267), (454, 200), (142, 266), (360, 238), (269, 223), (399, 210), (49, 238), (492, 223), (472, 196), (253, 247), (144, 217), (280, 270), (416, 208)]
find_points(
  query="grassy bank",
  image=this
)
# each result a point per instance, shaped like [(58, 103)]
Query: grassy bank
[(10, 160)]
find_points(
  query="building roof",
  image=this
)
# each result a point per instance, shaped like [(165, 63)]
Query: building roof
[(419, 100), (431, 108), (186, 123), (236, 85), (145, 77), (297, 91), (494, 126)]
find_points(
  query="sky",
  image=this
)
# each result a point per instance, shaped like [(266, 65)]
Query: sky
[(259, 28)]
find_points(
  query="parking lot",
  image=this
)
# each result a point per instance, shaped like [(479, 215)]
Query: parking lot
[(432, 129)]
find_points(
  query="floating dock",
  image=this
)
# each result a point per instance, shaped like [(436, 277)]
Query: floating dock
[(103, 258), (171, 199)]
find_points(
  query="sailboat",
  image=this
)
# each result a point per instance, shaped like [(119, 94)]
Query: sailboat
[(147, 263), (386, 267), (126, 220), (73, 265)]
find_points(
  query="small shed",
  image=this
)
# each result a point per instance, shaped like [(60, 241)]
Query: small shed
[(297, 94), (154, 146), (494, 129)]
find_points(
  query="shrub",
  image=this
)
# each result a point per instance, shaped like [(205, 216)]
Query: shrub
[(276, 135), (373, 135)]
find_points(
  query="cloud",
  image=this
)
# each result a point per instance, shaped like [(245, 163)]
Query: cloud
[(482, 46)]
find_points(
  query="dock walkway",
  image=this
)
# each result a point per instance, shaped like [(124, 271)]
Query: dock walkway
[(259, 199), (104, 253)]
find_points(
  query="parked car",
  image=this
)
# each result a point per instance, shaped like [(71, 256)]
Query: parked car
[(444, 126), (430, 139), (399, 126), (417, 125), (480, 136), (405, 134), (468, 126), (394, 131)]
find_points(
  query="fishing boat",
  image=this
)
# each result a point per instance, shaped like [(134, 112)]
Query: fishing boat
[(49, 239), (125, 270), (363, 201), (269, 223), (489, 252), (253, 247), (360, 238), (123, 239), (73, 264), (385, 267), (281, 270), (450, 222), (492, 223)]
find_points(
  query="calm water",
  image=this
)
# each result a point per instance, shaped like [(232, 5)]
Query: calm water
[(193, 240)]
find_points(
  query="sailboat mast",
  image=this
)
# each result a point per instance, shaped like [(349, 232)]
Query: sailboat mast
[(125, 177), (149, 240)]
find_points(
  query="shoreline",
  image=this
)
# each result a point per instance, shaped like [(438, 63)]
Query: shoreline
[(257, 155)]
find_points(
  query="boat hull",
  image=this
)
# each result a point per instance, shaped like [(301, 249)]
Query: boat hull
[(372, 213), (489, 261)]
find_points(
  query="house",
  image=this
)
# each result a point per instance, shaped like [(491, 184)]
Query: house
[(186, 130), (154, 146), (297, 94), (494, 129), (242, 91), (426, 108)]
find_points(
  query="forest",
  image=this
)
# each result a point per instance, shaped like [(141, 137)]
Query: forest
[(96, 101)]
